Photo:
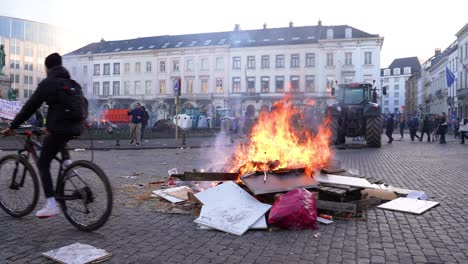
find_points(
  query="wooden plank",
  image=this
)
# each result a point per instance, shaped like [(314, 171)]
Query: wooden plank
[(363, 204), (207, 176), (336, 206)]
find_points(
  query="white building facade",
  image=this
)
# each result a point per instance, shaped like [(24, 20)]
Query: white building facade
[(245, 70), (394, 78), (462, 74)]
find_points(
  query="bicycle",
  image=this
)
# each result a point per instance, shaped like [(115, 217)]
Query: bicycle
[(76, 191)]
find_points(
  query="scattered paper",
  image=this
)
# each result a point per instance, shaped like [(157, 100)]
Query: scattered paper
[(409, 205), (169, 194), (324, 221), (172, 171), (417, 195), (77, 254)]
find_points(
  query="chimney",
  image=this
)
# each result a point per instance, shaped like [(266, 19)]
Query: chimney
[(236, 27), (265, 26), (101, 43), (291, 24), (319, 23), (437, 51)]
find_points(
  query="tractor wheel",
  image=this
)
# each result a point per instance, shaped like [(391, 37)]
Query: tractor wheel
[(374, 131)]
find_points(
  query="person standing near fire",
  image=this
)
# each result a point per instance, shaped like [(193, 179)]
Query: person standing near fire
[(144, 123), (389, 128), (135, 125)]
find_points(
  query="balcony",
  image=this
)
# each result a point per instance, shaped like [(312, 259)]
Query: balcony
[(462, 93)]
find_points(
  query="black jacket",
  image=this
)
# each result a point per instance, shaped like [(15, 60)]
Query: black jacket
[(47, 92), (145, 118), (390, 124), (427, 125)]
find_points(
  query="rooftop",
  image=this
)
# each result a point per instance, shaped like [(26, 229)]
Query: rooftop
[(234, 39)]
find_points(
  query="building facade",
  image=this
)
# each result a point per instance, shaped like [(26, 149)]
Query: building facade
[(412, 94), (26, 45), (244, 70), (462, 75), (394, 78)]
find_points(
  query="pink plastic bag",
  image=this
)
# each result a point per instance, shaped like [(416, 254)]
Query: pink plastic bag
[(295, 209)]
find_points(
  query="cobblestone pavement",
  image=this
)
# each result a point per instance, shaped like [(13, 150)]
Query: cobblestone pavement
[(136, 233)]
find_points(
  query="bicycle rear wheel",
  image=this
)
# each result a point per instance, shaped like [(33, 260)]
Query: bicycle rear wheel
[(85, 195), (19, 197)]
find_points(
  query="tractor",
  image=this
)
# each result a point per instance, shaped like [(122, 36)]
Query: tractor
[(356, 114)]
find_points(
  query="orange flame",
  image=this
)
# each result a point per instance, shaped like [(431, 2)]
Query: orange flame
[(278, 141)]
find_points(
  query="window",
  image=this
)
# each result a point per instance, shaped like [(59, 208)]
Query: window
[(95, 88), (348, 58), (204, 64), (396, 79), (14, 64), (116, 68), (396, 71), (385, 80), (330, 59), (204, 86), (236, 63), (97, 69), (251, 62), (407, 70), (106, 69), (137, 67), (189, 65), (148, 66), (175, 65), (294, 84), (265, 85), (85, 69), (395, 110), (295, 61), (279, 84), (28, 66), (310, 60), (310, 83), (28, 50), (279, 61), (367, 78), (219, 85), (162, 86), (116, 88), (105, 88), (85, 87), (250, 85), (127, 67), (236, 84), (396, 87), (162, 66), (397, 94), (138, 88), (148, 87), (386, 102), (14, 46), (265, 62), (329, 83), (387, 72), (368, 58), (220, 63), (126, 87), (189, 86), (396, 102)]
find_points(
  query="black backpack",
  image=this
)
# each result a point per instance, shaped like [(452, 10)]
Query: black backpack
[(72, 105)]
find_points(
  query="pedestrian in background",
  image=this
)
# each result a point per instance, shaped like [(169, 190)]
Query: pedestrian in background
[(135, 125), (442, 129), (463, 130), (402, 126), (427, 129), (456, 128), (144, 123), (389, 128), (435, 123), (413, 128)]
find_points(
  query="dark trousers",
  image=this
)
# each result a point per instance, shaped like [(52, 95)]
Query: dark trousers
[(143, 126), (428, 135), (413, 133), (52, 145), (401, 131), (389, 134), (463, 135), (442, 132)]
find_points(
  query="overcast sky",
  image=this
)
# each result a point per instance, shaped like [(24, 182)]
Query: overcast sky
[(410, 28)]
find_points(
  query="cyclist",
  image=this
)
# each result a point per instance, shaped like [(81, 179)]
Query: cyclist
[(59, 131)]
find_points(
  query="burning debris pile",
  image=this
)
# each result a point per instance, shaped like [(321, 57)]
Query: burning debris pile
[(284, 175)]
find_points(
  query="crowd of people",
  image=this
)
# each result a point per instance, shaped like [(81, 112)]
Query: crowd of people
[(434, 127)]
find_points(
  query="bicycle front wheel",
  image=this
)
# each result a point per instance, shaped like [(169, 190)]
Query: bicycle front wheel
[(85, 195), (19, 186)]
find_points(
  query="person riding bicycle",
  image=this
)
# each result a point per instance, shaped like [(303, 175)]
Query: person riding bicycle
[(60, 130)]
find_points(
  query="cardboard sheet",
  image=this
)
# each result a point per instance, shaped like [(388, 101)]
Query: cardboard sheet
[(174, 195), (77, 254), (343, 180), (278, 182), (409, 205)]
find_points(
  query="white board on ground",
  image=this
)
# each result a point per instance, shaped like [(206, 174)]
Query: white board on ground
[(166, 193), (77, 254), (344, 180), (230, 193), (260, 224), (324, 221), (409, 205), (231, 218)]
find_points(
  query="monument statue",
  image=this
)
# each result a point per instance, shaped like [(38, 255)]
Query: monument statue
[(2, 59)]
